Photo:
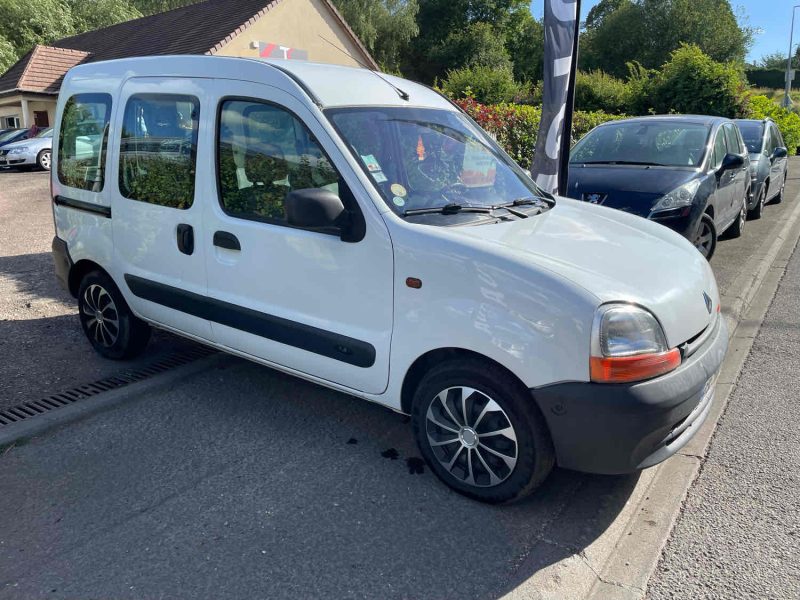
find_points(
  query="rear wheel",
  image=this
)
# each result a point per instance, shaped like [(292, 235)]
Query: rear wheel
[(706, 238), (480, 431), (758, 209), (43, 160), (779, 197), (737, 228), (110, 326)]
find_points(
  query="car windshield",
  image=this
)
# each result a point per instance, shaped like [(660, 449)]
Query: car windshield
[(658, 143), (45, 133), (8, 135), (423, 158), (752, 133)]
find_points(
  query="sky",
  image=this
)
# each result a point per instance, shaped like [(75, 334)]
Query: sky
[(772, 17)]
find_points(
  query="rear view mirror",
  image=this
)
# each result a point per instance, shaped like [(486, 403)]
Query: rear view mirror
[(314, 208), (780, 152), (731, 161)]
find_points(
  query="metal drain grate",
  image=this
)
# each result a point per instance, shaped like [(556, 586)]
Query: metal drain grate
[(26, 410)]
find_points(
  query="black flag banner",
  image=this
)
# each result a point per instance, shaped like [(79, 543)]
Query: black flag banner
[(550, 160)]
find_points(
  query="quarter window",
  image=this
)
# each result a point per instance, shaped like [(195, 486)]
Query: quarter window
[(83, 140), (158, 149), (264, 152)]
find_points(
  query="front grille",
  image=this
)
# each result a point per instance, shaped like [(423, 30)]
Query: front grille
[(688, 421)]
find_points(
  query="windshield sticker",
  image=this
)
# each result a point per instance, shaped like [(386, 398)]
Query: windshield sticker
[(398, 190), (420, 149), (379, 176), (398, 201), (479, 167), (371, 163)]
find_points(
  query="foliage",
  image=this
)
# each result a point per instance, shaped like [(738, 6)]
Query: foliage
[(25, 24), (647, 31), (158, 180), (8, 55), (151, 7), (775, 60), (787, 121), (515, 126), (691, 82), (525, 46), (386, 27), (484, 84), (598, 91), (770, 78), (478, 45), (96, 14)]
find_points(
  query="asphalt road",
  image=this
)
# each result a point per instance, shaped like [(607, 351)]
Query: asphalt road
[(739, 533), (243, 482)]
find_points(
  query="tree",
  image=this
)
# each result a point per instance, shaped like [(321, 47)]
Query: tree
[(8, 55), (88, 15), (151, 7), (25, 24), (647, 31), (525, 45), (485, 84), (386, 27)]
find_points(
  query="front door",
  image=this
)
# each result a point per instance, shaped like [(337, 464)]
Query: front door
[(298, 298), (160, 134), (777, 167), (40, 118)]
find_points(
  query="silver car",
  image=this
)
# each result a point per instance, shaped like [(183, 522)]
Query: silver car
[(768, 162), (33, 152)]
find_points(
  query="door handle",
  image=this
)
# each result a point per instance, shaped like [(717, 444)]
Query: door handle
[(223, 239), (185, 238)]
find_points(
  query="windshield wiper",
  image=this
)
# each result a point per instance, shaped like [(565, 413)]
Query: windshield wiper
[(620, 162), (509, 206), (448, 209)]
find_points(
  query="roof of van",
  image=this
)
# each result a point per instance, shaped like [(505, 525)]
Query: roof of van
[(327, 85)]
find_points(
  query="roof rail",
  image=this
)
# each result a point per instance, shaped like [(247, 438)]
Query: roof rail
[(300, 83)]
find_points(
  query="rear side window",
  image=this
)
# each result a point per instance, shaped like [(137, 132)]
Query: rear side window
[(264, 152), (83, 140), (732, 139), (158, 149), (720, 149)]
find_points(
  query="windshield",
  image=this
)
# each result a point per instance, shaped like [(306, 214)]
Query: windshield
[(8, 135), (422, 158), (752, 133), (46, 133), (661, 143)]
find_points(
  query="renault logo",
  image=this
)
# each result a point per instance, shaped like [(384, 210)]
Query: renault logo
[(709, 303)]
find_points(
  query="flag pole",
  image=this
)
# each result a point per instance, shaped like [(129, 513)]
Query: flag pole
[(569, 110)]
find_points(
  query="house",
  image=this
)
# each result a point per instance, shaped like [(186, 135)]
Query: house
[(291, 29)]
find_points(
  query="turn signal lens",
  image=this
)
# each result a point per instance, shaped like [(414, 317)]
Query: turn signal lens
[(625, 369)]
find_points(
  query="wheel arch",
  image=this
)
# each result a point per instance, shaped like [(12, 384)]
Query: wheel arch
[(80, 270), (425, 362)]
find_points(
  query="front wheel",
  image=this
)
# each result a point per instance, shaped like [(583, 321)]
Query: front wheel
[(110, 326), (706, 239), (43, 160), (480, 431), (737, 228)]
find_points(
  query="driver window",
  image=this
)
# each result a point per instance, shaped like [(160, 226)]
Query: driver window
[(720, 149), (732, 139), (264, 152)]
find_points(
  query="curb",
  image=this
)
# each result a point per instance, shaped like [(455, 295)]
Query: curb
[(619, 563)]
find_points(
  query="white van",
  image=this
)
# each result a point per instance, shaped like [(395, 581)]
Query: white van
[(361, 232)]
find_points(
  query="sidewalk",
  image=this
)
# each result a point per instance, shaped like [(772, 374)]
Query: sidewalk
[(739, 533)]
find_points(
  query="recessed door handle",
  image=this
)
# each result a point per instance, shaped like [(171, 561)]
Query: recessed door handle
[(223, 239), (185, 235)]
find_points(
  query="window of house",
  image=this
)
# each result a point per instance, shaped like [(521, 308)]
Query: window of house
[(264, 152), (83, 140), (158, 149)]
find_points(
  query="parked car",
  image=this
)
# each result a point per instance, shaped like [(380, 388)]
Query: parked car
[(363, 233), (769, 162), (13, 135), (29, 153), (689, 173)]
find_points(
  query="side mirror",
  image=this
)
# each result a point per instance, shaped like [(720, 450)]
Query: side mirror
[(779, 152), (731, 161), (314, 208)]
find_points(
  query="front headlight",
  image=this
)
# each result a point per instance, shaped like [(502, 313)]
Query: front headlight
[(628, 344), (22, 150), (679, 197)]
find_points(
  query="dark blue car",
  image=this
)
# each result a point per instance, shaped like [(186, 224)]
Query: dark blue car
[(13, 135), (689, 173)]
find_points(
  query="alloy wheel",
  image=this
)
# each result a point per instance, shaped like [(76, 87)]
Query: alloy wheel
[(743, 215), (44, 160), (101, 316), (705, 239), (471, 436)]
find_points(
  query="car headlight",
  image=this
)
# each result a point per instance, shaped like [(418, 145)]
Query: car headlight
[(18, 150), (679, 197), (628, 344)]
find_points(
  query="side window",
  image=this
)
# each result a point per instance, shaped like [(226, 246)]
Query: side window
[(771, 141), (264, 152), (82, 141), (778, 137), (158, 149), (720, 149), (732, 139)]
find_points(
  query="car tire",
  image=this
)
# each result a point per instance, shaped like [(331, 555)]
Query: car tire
[(110, 326), (456, 443), (43, 160), (737, 227), (706, 238), (779, 196), (758, 209)]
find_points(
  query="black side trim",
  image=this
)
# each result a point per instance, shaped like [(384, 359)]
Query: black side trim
[(319, 341), (62, 261), (97, 209)]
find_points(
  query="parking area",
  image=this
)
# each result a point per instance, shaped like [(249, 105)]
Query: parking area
[(244, 482)]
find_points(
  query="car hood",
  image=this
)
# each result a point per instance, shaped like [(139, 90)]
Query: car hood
[(36, 143), (631, 188), (615, 257)]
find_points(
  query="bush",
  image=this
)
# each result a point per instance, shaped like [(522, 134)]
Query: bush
[(484, 84), (692, 83), (515, 126), (787, 121), (598, 91)]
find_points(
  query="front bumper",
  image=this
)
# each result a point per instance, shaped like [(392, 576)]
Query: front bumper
[(620, 428), (683, 220), (14, 160)]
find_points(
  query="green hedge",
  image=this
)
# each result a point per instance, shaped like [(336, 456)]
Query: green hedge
[(769, 78), (787, 121), (515, 126)]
